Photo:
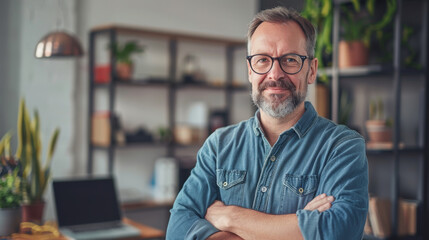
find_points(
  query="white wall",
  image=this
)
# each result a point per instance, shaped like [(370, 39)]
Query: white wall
[(9, 64)]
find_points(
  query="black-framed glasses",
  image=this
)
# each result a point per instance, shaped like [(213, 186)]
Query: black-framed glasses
[(290, 63)]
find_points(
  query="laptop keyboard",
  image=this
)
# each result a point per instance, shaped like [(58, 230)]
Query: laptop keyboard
[(95, 227)]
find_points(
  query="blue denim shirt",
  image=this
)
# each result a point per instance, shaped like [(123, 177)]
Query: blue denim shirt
[(237, 166)]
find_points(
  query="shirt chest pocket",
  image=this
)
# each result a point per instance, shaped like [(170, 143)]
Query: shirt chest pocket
[(231, 186), (298, 190)]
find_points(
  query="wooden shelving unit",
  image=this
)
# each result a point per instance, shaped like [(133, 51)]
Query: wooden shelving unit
[(170, 83)]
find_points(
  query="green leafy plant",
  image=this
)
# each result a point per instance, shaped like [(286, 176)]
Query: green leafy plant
[(360, 23), (376, 111), (10, 194), (410, 53), (123, 52), (319, 13), (345, 108), (35, 177)]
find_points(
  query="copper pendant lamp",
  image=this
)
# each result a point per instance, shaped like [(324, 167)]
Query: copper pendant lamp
[(58, 44)]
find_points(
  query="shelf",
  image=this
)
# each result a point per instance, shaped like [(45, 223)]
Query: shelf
[(406, 149), (370, 70), (209, 86), (129, 30), (149, 82), (132, 145), (159, 82)]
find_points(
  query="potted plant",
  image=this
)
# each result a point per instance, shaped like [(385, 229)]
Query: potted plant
[(35, 177), (359, 26), (10, 194), (378, 127), (122, 53)]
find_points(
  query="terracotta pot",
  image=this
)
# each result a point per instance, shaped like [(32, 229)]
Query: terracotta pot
[(378, 131), (124, 70), (33, 212), (351, 54), (10, 218)]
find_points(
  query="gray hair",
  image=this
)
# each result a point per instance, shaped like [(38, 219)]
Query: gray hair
[(283, 15)]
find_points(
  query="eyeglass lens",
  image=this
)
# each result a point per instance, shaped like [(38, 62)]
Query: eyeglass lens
[(290, 63)]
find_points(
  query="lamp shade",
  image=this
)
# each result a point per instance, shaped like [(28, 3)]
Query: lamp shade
[(58, 44)]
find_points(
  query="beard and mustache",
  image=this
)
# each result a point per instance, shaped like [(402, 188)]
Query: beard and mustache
[(274, 105)]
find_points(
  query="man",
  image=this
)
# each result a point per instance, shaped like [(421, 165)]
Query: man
[(285, 173)]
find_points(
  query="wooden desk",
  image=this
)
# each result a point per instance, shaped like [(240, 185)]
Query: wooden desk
[(146, 232)]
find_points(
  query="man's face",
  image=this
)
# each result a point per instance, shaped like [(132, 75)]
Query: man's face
[(276, 92)]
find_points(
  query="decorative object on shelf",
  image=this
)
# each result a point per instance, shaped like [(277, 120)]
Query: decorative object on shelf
[(187, 135), (165, 179), (35, 177), (102, 126), (192, 73), (352, 53), (378, 127), (100, 134), (359, 26), (10, 192), (102, 74), (123, 53), (140, 135), (217, 119), (320, 13), (163, 134)]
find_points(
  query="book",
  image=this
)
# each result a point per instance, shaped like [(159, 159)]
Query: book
[(379, 216), (367, 228), (407, 222)]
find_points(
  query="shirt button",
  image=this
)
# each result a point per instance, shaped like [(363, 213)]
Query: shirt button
[(264, 189), (273, 158), (300, 190), (225, 184)]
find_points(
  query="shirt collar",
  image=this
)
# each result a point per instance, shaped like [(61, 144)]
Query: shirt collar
[(306, 121), (301, 127)]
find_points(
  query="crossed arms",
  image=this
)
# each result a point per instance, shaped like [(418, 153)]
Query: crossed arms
[(241, 223)]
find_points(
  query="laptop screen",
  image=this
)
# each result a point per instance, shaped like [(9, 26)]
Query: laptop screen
[(84, 201)]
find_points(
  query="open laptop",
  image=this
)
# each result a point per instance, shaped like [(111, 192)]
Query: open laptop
[(89, 209)]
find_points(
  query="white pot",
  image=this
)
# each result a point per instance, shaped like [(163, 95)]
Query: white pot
[(10, 218)]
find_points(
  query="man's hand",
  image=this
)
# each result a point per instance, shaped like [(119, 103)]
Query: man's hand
[(320, 203), (217, 215)]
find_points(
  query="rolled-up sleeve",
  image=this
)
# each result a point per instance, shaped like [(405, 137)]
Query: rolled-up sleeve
[(199, 191), (345, 176)]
